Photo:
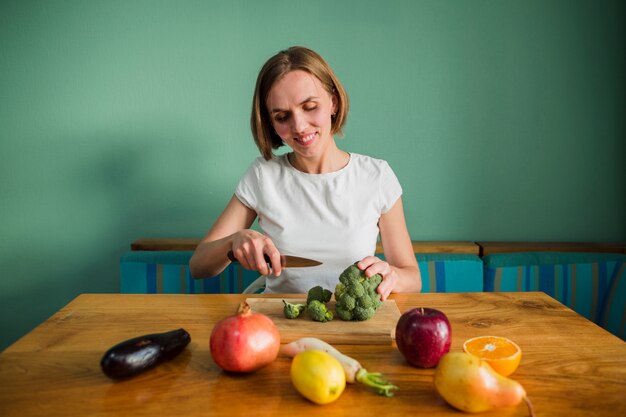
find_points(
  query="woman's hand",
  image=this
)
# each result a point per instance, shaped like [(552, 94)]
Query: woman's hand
[(250, 248), (372, 265)]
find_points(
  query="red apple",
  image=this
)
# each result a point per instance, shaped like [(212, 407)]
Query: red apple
[(423, 336)]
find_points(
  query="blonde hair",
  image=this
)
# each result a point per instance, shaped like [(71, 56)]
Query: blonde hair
[(294, 58)]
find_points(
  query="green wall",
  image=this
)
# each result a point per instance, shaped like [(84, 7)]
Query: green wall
[(504, 120)]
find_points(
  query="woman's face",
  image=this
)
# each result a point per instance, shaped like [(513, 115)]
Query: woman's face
[(300, 110)]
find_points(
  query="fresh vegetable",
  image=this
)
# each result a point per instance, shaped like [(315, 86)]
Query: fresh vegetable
[(356, 295), (133, 356), (351, 367), (245, 341), (316, 300), (318, 311), (320, 294), (318, 376), (470, 384), (423, 336), (293, 311)]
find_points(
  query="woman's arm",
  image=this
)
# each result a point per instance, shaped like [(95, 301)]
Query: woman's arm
[(231, 232), (400, 272)]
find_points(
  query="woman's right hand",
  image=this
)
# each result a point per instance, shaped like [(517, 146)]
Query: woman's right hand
[(250, 248)]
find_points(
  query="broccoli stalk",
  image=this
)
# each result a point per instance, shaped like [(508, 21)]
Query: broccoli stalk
[(319, 312), (293, 311)]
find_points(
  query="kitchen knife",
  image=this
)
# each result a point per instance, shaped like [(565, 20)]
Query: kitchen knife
[(286, 261)]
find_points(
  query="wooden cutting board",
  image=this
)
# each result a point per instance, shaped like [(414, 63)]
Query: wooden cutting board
[(376, 330)]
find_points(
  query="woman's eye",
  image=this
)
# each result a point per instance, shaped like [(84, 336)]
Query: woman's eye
[(310, 107), (280, 118)]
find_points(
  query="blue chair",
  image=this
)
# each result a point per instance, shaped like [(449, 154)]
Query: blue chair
[(581, 281), (152, 272), (450, 272), (613, 316), (167, 272)]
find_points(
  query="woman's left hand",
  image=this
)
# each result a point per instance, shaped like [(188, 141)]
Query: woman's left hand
[(372, 265)]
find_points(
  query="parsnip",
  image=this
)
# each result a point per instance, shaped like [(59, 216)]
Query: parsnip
[(352, 368)]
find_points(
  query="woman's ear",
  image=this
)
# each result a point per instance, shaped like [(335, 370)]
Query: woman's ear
[(334, 104)]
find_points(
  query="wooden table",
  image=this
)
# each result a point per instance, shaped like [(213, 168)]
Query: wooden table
[(569, 367)]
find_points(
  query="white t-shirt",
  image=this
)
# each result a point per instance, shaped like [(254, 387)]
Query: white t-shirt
[(332, 217)]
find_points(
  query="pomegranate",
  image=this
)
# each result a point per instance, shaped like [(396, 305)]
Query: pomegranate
[(245, 341)]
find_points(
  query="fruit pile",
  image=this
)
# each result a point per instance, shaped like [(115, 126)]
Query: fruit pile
[(474, 380)]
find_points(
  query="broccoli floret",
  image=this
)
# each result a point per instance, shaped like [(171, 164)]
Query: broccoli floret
[(365, 301), (356, 289), (318, 311), (362, 314), (350, 274), (344, 314), (292, 311), (340, 290), (347, 301), (320, 294), (374, 282), (356, 295)]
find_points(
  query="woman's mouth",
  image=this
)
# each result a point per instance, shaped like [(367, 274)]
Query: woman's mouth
[(306, 139)]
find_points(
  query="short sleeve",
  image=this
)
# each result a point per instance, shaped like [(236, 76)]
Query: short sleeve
[(247, 190), (390, 188)]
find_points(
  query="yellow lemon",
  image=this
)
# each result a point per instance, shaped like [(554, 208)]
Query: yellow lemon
[(318, 376)]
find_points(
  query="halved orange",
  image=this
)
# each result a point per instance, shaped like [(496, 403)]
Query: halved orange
[(502, 354)]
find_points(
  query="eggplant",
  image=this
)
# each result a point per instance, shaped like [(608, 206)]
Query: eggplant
[(139, 354)]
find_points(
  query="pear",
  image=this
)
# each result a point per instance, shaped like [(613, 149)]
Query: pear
[(470, 384)]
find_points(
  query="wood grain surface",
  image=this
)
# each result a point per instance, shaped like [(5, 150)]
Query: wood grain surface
[(569, 367), (375, 331)]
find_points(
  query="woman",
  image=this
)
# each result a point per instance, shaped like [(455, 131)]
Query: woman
[(317, 201)]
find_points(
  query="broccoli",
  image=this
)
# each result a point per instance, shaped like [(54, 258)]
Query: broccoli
[(292, 311), (319, 312), (356, 295), (320, 294)]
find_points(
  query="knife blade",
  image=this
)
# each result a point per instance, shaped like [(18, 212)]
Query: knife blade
[(286, 261)]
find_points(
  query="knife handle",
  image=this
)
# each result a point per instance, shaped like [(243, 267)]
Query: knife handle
[(232, 258)]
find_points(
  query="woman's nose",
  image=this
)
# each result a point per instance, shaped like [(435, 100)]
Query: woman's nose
[(299, 122)]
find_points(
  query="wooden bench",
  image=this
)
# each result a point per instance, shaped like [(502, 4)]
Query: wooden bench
[(488, 248), (182, 244), (155, 264)]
